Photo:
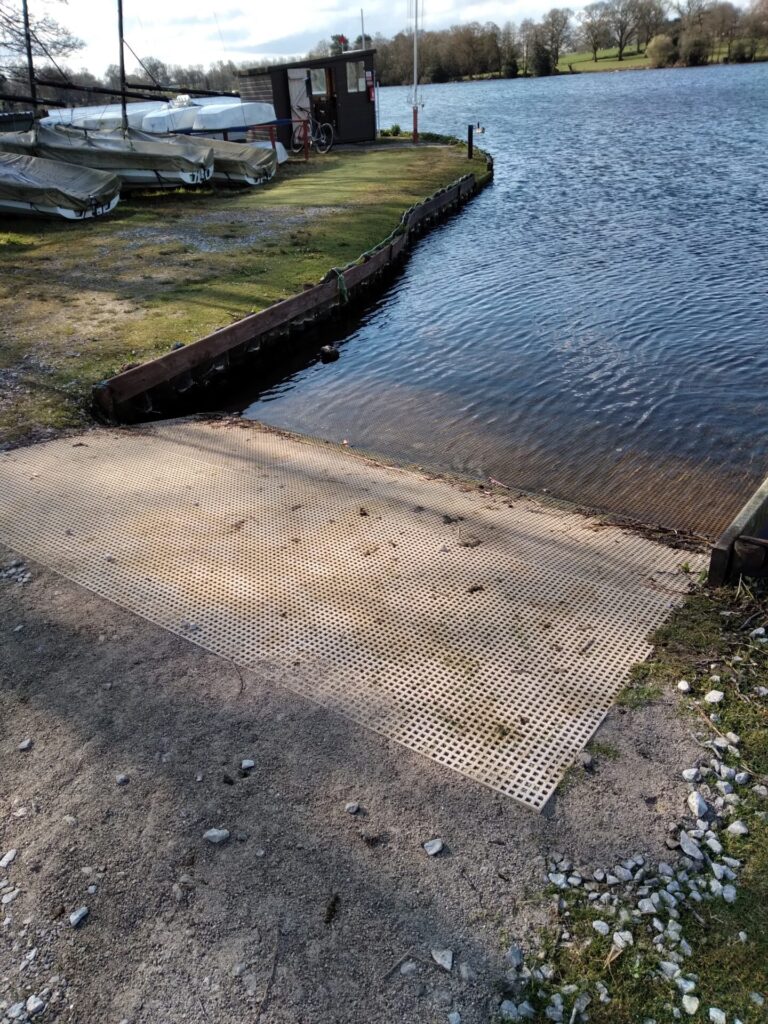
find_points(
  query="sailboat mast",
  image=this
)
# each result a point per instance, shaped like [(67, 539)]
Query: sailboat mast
[(415, 71), (122, 63), (28, 46)]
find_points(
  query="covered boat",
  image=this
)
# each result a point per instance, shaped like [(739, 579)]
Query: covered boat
[(29, 184), (234, 163), (137, 162)]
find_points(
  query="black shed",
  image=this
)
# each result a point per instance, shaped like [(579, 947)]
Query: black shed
[(339, 90)]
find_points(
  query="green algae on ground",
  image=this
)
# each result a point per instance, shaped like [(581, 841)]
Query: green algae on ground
[(80, 301)]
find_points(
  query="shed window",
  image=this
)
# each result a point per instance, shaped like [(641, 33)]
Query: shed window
[(319, 87), (355, 76)]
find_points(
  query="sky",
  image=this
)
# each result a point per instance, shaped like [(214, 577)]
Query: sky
[(196, 32)]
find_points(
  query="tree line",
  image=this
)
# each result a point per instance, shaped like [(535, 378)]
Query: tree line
[(685, 31)]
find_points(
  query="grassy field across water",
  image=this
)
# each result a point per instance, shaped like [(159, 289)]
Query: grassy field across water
[(80, 301)]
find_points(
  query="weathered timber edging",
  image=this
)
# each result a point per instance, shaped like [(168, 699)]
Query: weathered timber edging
[(742, 546), (144, 390)]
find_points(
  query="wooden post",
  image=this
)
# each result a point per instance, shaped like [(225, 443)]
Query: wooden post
[(470, 141), (415, 125)]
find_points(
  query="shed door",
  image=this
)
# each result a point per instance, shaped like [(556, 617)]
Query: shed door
[(297, 92)]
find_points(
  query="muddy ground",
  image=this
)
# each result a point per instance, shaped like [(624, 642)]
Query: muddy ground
[(307, 913)]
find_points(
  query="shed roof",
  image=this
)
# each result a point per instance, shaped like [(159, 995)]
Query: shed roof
[(308, 62)]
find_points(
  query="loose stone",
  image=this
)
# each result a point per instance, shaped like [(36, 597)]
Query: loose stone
[(454, 1017), (508, 1010), (684, 686), (247, 764), (714, 696), (35, 1005), (443, 958), (8, 859), (352, 807), (737, 828), (514, 957), (691, 774), (698, 804), (623, 939), (78, 916), (433, 846), (216, 836), (757, 999), (717, 1016), (558, 879), (601, 927), (690, 847), (409, 967), (25, 745), (729, 893), (690, 1005), (122, 780)]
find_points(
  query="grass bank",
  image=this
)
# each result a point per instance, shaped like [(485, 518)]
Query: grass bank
[(81, 301), (716, 641)]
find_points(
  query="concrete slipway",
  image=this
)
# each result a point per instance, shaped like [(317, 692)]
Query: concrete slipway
[(487, 631)]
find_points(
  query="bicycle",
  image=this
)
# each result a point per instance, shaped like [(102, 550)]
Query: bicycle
[(318, 135)]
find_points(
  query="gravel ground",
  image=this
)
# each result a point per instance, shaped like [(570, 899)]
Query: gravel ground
[(307, 912)]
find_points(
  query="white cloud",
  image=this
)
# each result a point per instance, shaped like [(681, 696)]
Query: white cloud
[(192, 32)]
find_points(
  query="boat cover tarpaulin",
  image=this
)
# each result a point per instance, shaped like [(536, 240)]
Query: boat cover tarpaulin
[(230, 117), (233, 161), (109, 151), (50, 184)]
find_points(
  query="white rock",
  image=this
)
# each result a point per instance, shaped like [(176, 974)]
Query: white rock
[(35, 1005), (558, 879), (684, 686), (742, 936), (646, 906), (717, 1016), (25, 745), (352, 807), (216, 836), (601, 927), (623, 939), (433, 847), (8, 859), (691, 774), (760, 791), (508, 1010), (16, 1011), (742, 778), (757, 999), (729, 893), (714, 696), (671, 970), (737, 828), (690, 1005), (78, 916), (443, 958), (690, 847), (698, 804), (246, 764), (122, 779), (454, 1017)]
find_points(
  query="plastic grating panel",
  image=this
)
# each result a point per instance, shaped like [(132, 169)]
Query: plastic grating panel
[(358, 584)]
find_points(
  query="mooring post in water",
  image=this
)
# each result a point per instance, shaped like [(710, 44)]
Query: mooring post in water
[(470, 141)]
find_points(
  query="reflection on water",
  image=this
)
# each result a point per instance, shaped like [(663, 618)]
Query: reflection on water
[(593, 324)]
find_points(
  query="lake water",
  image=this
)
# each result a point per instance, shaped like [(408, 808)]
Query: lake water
[(594, 324)]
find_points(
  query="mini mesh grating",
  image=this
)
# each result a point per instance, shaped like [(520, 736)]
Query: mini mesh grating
[(490, 634)]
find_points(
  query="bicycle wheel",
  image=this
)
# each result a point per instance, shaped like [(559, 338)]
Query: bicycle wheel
[(297, 139), (324, 138)]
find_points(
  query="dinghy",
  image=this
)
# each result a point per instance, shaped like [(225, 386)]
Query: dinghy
[(137, 162), (47, 188), (233, 163)]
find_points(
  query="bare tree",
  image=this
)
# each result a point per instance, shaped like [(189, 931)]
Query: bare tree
[(594, 27), (622, 20), (555, 28), (651, 17)]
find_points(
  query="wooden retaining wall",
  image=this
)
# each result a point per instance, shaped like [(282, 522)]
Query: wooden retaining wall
[(742, 548), (149, 390)]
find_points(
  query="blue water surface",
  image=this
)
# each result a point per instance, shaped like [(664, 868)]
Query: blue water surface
[(595, 324)]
